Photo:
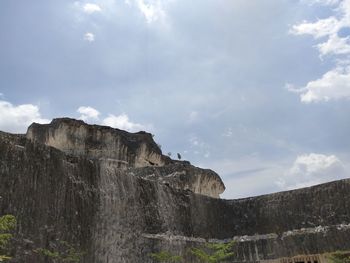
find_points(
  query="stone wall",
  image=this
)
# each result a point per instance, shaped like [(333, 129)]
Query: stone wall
[(121, 214), (53, 196)]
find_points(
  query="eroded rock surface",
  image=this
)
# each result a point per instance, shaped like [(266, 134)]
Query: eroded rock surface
[(121, 213), (120, 149), (99, 142)]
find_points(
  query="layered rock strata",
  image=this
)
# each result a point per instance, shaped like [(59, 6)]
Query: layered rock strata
[(115, 196), (99, 142)]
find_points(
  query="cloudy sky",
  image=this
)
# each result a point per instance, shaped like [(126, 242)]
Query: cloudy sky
[(256, 90)]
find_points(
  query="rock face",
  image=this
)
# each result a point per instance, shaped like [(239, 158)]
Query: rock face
[(99, 142), (183, 176), (116, 149), (115, 196)]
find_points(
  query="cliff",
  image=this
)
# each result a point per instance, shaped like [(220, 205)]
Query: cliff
[(115, 196), (120, 149), (99, 142)]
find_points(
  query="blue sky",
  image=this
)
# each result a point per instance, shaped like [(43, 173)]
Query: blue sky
[(256, 90)]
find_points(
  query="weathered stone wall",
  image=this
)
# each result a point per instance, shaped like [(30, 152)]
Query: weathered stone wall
[(182, 175), (265, 227), (322, 205), (53, 196), (121, 215)]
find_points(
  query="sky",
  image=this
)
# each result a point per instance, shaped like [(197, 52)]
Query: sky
[(258, 91)]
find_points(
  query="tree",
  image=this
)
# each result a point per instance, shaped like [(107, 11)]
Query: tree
[(179, 156), (165, 256), (214, 252), (7, 225)]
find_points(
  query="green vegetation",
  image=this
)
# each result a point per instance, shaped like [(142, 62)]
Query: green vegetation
[(164, 256), (209, 253), (214, 252), (66, 253), (340, 257), (7, 225)]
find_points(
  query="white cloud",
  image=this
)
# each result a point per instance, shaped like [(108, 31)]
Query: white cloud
[(91, 8), (321, 2), (122, 122), (116, 121), (292, 88), (329, 28), (88, 113), (89, 37), (333, 85), (152, 10), (311, 169), (18, 118), (252, 174), (334, 45), (321, 28)]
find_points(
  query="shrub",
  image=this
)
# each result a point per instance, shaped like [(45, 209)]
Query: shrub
[(165, 256), (339, 257), (7, 225), (214, 252)]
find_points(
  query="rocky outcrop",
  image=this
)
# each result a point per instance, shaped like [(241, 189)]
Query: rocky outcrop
[(183, 176), (99, 142), (120, 149), (121, 213)]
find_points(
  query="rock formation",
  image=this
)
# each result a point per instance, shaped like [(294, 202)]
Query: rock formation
[(116, 197), (99, 142)]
